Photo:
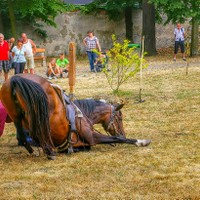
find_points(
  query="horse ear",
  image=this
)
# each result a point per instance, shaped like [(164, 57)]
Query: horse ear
[(119, 106)]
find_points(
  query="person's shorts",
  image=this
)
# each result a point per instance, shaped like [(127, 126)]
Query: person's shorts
[(5, 65), (29, 63), (176, 47)]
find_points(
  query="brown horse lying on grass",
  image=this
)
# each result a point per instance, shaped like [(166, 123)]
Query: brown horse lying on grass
[(34, 105)]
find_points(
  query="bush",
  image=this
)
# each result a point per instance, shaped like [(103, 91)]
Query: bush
[(124, 63)]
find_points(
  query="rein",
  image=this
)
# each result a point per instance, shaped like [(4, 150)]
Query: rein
[(113, 117)]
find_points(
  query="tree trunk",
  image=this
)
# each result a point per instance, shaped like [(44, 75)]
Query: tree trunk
[(12, 19), (148, 28), (1, 24), (129, 23), (194, 38)]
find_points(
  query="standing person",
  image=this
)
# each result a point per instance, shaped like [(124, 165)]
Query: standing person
[(19, 53), (30, 50), (4, 56), (179, 34), (53, 69), (63, 64), (92, 43), (11, 45), (11, 42)]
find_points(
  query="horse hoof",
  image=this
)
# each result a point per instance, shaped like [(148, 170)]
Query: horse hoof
[(35, 154), (70, 150), (50, 157), (142, 143)]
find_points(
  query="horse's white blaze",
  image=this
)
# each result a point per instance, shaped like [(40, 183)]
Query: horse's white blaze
[(142, 143)]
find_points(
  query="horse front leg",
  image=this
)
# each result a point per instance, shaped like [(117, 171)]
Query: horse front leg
[(103, 139), (93, 137), (21, 137)]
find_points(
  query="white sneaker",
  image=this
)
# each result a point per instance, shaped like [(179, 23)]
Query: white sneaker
[(49, 77), (55, 77)]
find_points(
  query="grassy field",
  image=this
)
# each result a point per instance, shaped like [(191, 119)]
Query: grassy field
[(169, 168)]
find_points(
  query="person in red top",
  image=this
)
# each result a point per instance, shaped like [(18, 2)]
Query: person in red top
[(4, 56), (3, 117)]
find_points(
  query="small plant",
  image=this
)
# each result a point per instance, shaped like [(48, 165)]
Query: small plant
[(124, 63)]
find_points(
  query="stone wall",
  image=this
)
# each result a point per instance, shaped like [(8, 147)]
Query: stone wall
[(74, 26)]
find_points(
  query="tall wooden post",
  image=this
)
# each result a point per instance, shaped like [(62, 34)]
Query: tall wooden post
[(141, 63), (72, 69), (187, 54)]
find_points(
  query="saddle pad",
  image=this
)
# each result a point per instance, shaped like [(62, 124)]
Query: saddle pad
[(60, 92)]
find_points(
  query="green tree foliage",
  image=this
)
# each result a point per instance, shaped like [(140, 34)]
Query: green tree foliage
[(177, 10), (33, 12), (115, 8), (124, 63), (180, 11), (118, 9)]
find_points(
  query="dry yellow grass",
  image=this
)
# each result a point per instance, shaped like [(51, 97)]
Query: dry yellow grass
[(167, 169)]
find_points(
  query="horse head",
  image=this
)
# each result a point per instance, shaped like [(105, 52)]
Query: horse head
[(115, 125)]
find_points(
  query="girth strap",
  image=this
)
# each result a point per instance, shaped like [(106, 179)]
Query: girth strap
[(72, 111)]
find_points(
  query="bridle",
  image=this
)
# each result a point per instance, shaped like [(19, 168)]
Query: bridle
[(114, 118)]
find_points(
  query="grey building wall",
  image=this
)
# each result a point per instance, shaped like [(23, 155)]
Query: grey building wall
[(74, 26)]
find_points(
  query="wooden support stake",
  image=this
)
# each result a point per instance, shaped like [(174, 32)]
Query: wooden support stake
[(141, 62), (72, 69), (187, 55)]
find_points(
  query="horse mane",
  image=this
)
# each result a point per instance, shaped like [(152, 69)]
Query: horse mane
[(88, 105), (37, 103)]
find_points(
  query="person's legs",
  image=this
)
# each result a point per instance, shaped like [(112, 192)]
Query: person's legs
[(91, 61), (1, 66), (94, 57), (48, 72), (175, 49), (183, 50), (6, 68), (29, 65), (61, 72), (32, 65), (26, 65), (21, 69), (17, 68), (32, 71)]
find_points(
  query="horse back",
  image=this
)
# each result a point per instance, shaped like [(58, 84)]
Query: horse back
[(59, 125)]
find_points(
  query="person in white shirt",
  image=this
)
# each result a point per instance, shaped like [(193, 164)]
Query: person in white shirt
[(19, 53), (179, 34), (30, 50)]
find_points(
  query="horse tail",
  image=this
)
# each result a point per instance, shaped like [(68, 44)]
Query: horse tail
[(37, 109)]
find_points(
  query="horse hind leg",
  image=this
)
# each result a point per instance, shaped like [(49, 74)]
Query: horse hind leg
[(77, 144), (51, 155)]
